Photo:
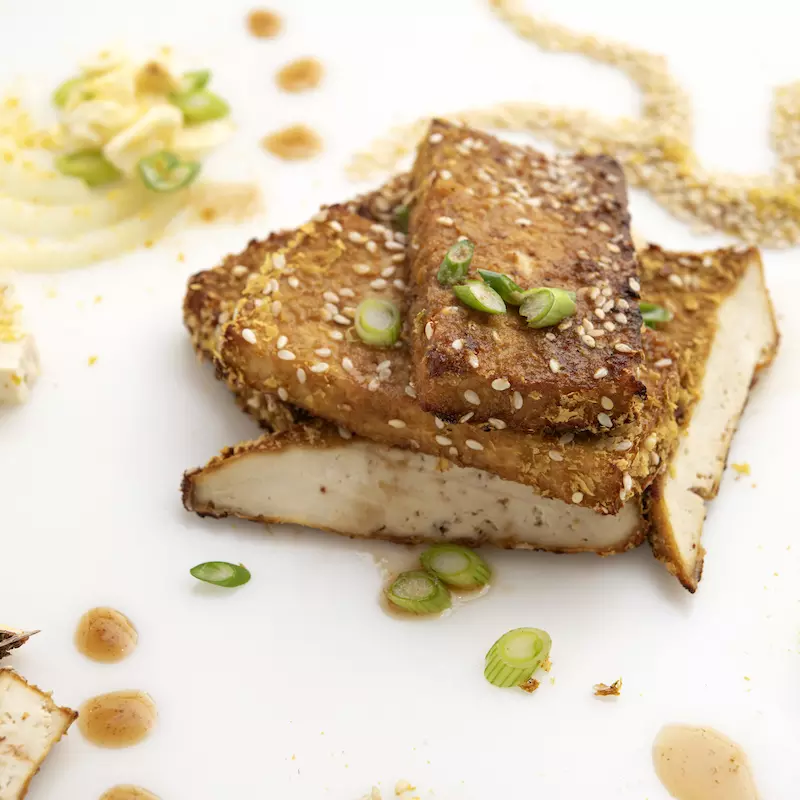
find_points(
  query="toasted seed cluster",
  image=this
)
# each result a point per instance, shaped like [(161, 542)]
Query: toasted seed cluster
[(654, 149)]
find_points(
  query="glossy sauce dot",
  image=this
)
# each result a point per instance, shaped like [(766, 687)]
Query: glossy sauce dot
[(127, 792), (117, 719), (106, 635)]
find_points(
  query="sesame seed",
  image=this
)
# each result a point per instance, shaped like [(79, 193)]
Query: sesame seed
[(607, 403), (337, 226), (397, 423), (384, 365), (588, 340), (634, 284), (282, 342), (393, 245), (467, 417), (577, 497), (410, 391), (655, 458), (239, 270), (323, 351), (276, 307), (286, 355), (347, 364), (337, 336), (398, 258), (361, 269), (345, 292), (621, 318), (523, 222), (612, 247), (248, 335), (399, 284), (457, 344), (675, 280), (625, 444), (473, 361), (446, 221), (517, 400), (445, 174), (444, 441), (344, 433), (279, 260), (473, 445), (373, 385), (293, 282), (621, 347), (429, 330), (439, 423), (371, 246), (472, 397), (551, 337), (500, 384), (604, 420), (387, 272), (356, 237), (662, 362), (320, 366), (555, 455), (301, 375), (435, 138), (378, 283), (330, 297), (283, 394), (497, 423), (610, 326), (453, 451), (554, 365), (341, 319), (627, 482), (566, 438)]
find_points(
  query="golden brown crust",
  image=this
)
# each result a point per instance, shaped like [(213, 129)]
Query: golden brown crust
[(304, 349), (544, 222)]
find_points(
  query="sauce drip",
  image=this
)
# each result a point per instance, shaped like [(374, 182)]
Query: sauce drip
[(300, 75), (105, 635), (696, 763), (127, 792), (117, 719), (295, 143), (264, 24)]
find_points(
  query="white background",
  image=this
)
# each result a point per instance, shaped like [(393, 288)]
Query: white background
[(298, 685)]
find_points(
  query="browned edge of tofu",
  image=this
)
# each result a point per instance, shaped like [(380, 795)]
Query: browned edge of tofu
[(560, 222)]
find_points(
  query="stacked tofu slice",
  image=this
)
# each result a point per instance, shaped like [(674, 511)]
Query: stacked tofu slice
[(474, 427), (19, 359)]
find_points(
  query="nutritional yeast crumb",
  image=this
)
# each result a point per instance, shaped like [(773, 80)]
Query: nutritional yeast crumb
[(294, 143), (300, 75), (264, 24)]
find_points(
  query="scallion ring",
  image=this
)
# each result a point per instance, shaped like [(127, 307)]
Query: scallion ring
[(200, 105), (401, 214), (546, 307), (378, 322), (91, 166), (165, 172), (221, 573), (480, 296), (511, 293), (62, 93), (455, 265), (515, 656), (653, 313), (456, 566), (418, 592), (194, 80)]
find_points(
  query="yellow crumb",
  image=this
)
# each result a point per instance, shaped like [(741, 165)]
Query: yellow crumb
[(181, 257), (741, 469), (98, 298), (92, 360)]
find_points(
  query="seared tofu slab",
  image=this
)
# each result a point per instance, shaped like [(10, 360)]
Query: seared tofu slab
[(555, 222)]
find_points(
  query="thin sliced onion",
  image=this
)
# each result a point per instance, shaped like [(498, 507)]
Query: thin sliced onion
[(103, 209), (50, 255), (197, 141)]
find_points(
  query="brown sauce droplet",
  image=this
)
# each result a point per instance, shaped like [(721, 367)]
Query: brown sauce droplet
[(117, 719), (105, 635), (696, 763), (300, 75), (264, 24), (128, 792), (295, 143)]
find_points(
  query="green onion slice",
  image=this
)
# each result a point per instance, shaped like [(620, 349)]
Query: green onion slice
[(165, 172), (455, 265), (200, 105), (653, 313), (221, 573), (401, 213), (378, 322), (545, 307), (515, 656), (456, 566), (418, 592), (62, 92), (511, 292), (480, 296), (194, 80), (91, 166)]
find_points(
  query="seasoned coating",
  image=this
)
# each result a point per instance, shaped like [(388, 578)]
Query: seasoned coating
[(292, 336), (559, 222)]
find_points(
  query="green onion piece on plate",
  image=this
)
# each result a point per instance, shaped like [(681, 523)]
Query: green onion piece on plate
[(91, 166), (653, 313), (418, 592), (401, 214), (165, 172), (480, 296), (515, 656), (455, 265), (62, 92), (221, 573), (456, 566), (194, 80), (200, 106), (378, 322), (546, 307), (511, 292)]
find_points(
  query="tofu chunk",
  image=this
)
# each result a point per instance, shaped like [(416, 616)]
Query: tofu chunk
[(19, 358)]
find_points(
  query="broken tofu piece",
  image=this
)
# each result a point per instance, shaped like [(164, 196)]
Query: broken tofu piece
[(19, 358), (723, 323), (30, 724), (606, 690), (544, 222)]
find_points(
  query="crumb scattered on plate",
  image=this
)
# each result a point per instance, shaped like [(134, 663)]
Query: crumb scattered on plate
[(604, 690), (741, 469), (264, 24)]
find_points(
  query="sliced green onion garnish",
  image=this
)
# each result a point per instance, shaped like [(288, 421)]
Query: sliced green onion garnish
[(221, 573), (200, 106), (91, 166), (512, 293), (378, 322), (545, 307), (515, 656), (456, 566), (653, 313), (419, 592), (401, 218), (165, 172), (455, 266), (193, 81), (480, 296), (62, 92)]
